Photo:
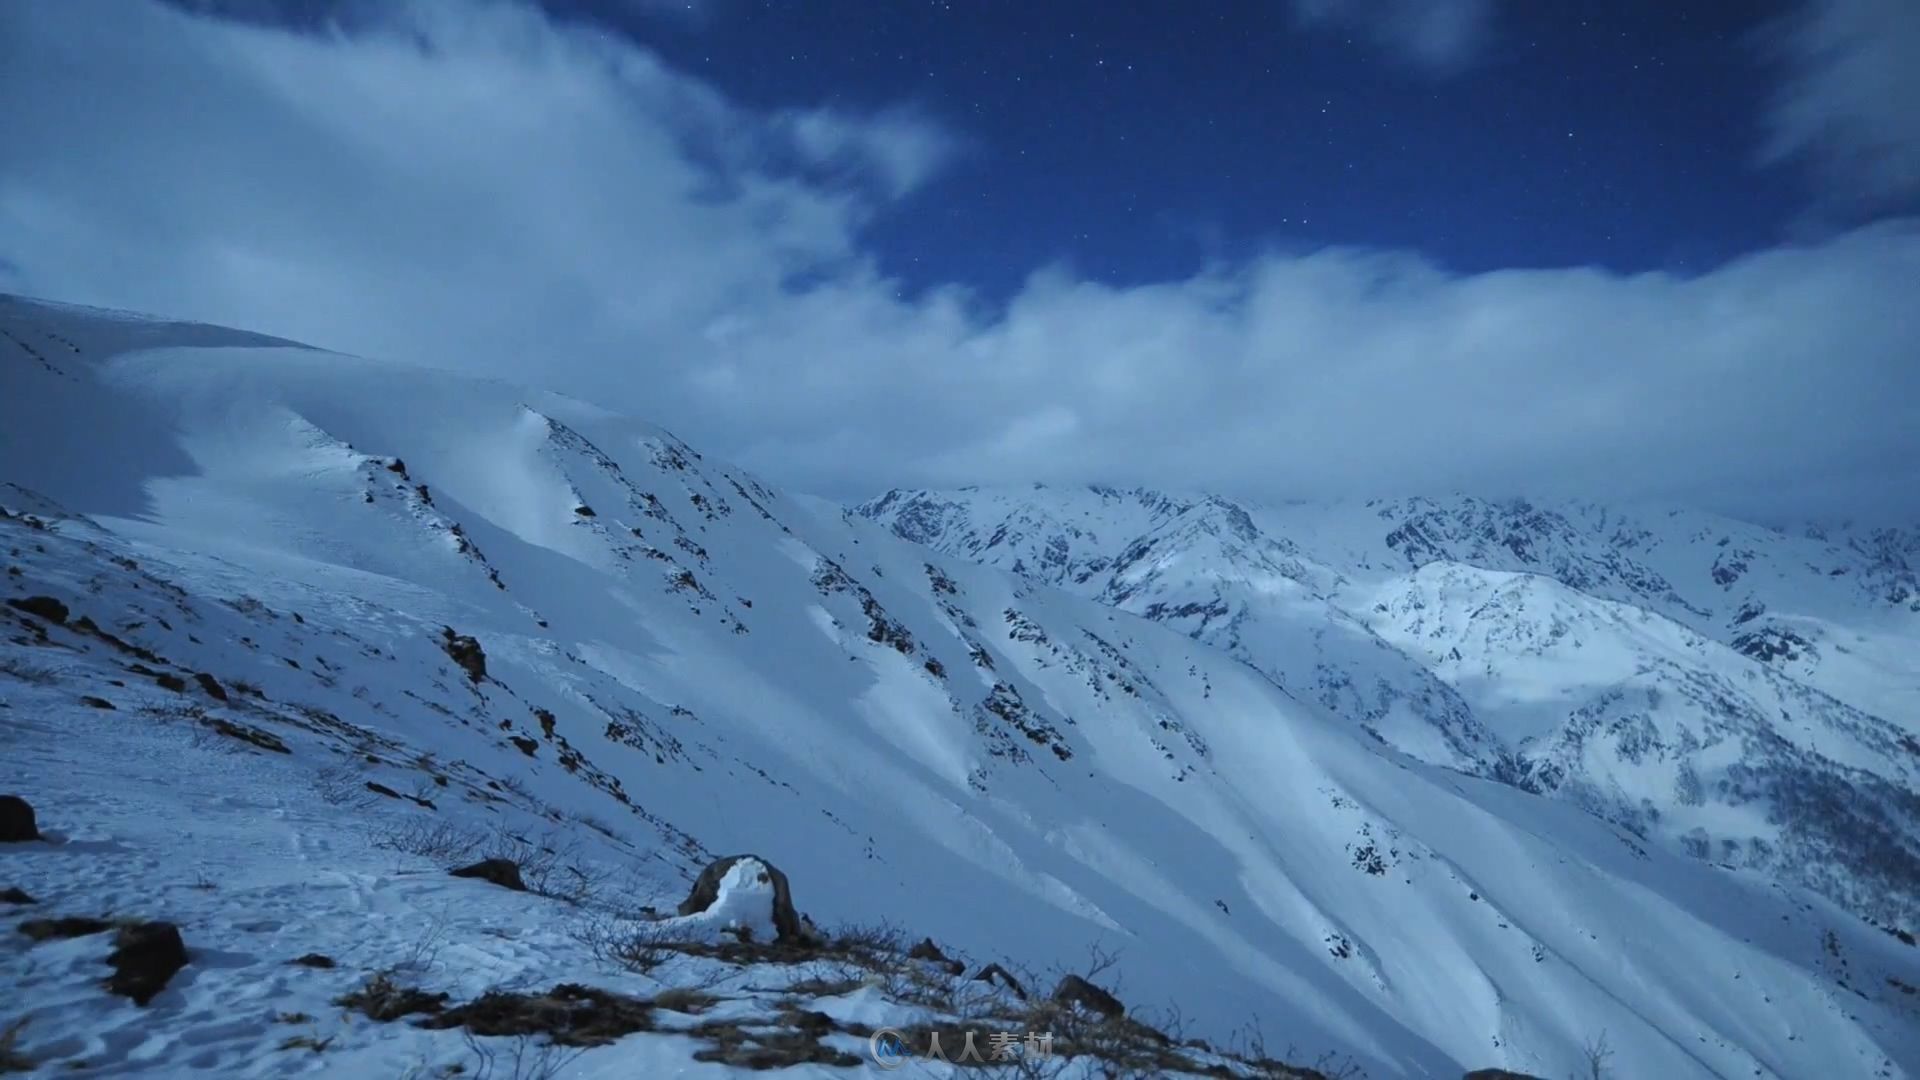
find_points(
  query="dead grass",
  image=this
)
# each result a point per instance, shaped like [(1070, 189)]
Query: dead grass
[(382, 998), (568, 1015)]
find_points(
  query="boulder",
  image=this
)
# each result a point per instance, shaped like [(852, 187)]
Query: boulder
[(145, 956), (1074, 990), (787, 923), (931, 953), (995, 975), (17, 824), (502, 872), (465, 651)]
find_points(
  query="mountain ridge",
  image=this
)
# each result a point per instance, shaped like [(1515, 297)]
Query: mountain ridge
[(1702, 630), (577, 617)]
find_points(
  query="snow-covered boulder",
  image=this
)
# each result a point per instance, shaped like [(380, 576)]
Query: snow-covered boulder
[(744, 895)]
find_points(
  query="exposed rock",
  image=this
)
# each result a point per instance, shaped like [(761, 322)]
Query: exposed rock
[(45, 607), (170, 682), (14, 894), (786, 921), (211, 685), (145, 956), (265, 740), (93, 702), (465, 651), (315, 960), (17, 823), (1499, 1074), (931, 953), (502, 872), (995, 975), (1074, 990)]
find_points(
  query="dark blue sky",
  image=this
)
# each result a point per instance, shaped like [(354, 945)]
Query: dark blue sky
[(676, 219), (1138, 140)]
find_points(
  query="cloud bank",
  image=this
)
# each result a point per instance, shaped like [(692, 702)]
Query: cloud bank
[(1848, 106), (490, 192)]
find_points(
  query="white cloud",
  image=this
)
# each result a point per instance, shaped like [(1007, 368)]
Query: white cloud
[(904, 150), (1439, 36), (1848, 105), (557, 207)]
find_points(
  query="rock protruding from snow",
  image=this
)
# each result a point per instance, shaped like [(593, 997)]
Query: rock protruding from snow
[(745, 894), (145, 956), (502, 872), (17, 824), (995, 975), (46, 607), (465, 651), (931, 953), (1074, 990)]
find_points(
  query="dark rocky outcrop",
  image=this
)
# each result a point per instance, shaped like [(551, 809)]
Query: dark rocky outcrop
[(502, 872), (1499, 1074), (14, 894), (145, 957), (211, 685), (17, 823), (1074, 990), (787, 924), (46, 607), (931, 953), (995, 975), (465, 651)]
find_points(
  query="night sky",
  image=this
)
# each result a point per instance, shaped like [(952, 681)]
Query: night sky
[(1138, 141), (1606, 249)]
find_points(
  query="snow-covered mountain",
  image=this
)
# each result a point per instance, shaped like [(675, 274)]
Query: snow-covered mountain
[(278, 622), (1742, 694)]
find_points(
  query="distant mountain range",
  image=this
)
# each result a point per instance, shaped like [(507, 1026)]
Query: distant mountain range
[(1733, 692)]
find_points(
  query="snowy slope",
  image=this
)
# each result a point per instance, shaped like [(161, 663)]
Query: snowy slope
[(1737, 693), (679, 663)]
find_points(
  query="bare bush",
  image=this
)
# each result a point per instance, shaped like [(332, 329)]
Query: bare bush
[(341, 785), (639, 947), (429, 839), (523, 1058), (1597, 1053), (551, 866)]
